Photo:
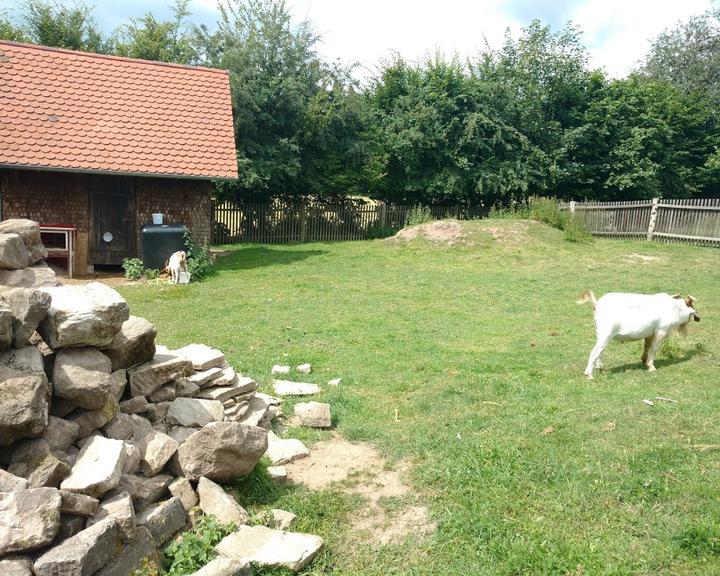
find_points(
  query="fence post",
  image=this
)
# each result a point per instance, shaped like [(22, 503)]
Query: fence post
[(383, 215), (653, 218), (303, 221), (572, 207)]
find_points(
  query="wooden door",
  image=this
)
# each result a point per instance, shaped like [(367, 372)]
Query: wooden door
[(112, 221)]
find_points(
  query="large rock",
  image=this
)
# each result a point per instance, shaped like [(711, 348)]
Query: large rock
[(181, 488), (216, 502), (265, 547), (202, 357), (314, 414), (257, 411), (28, 306), (60, 434), (222, 451), (224, 567), (91, 420), (144, 491), (206, 377), (83, 554), (120, 507), (194, 412), (11, 483), (83, 315), (98, 467), (24, 402), (77, 504), (16, 566), (289, 388), (37, 276), (33, 460), (164, 520), (284, 451), (13, 253), (133, 345), (128, 427), (29, 231), (156, 449), (132, 556), (29, 519), (240, 387), (82, 375), (164, 368), (25, 359), (6, 324)]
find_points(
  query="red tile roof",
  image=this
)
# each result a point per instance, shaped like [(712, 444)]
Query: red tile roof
[(79, 111)]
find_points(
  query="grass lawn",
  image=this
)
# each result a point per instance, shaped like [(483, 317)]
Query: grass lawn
[(526, 466)]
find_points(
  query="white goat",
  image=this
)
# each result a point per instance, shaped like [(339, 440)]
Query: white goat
[(624, 317), (176, 264)]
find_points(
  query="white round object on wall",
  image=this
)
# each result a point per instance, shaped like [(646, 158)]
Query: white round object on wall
[(108, 237)]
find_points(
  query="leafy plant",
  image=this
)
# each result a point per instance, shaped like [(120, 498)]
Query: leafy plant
[(195, 548), (199, 260), (133, 268), (151, 273), (576, 231), (418, 215), (377, 231)]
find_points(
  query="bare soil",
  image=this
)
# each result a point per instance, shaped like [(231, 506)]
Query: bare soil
[(439, 231)]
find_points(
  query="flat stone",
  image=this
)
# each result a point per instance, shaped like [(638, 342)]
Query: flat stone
[(25, 359), (181, 488), (29, 519), (202, 357), (265, 547), (128, 427), (16, 566), (11, 483), (132, 555), (224, 567), (133, 345), (181, 433), (227, 377), (237, 412), (314, 414), (24, 403), (82, 376), (205, 377), (28, 306), (280, 370), (144, 491), (304, 368), (282, 519), (60, 434), (335, 382), (136, 405), (163, 394), (98, 467), (120, 507), (216, 502), (37, 276), (164, 520), (83, 315), (277, 474), (46, 472), (281, 451), (147, 378), (257, 411), (83, 554), (77, 504), (194, 412), (222, 451), (242, 385), (13, 254), (90, 420), (184, 388), (156, 449), (288, 388)]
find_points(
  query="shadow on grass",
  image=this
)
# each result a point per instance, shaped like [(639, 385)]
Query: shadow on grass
[(258, 488), (260, 256), (659, 362)]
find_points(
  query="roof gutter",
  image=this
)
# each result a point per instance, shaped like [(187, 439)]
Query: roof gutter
[(114, 172)]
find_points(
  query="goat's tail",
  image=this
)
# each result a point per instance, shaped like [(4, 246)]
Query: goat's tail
[(587, 296)]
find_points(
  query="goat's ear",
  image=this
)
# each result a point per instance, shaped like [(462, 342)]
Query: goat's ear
[(690, 300), (677, 296)]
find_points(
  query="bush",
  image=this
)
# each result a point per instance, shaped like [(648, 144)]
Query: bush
[(377, 231), (576, 231), (151, 273), (548, 210), (418, 215), (133, 268), (199, 260)]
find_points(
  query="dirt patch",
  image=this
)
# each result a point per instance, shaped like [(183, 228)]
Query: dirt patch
[(440, 231), (509, 232), (633, 257), (357, 468)]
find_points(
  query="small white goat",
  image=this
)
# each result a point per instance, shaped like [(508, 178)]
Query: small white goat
[(624, 317), (176, 264)]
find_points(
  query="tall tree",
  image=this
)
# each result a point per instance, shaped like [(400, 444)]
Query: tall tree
[(49, 23)]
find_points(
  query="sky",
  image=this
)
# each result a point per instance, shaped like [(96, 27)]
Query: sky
[(617, 33)]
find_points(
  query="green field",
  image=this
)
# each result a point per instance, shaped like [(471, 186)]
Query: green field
[(526, 466)]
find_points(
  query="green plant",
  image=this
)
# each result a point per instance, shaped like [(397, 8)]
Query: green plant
[(133, 268), (194, 548), (148, 568), (418, 215), (151, 273), (547, 210), (576, 231), (376, 231), (199, 260)]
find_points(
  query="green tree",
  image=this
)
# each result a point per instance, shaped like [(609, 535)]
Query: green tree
[(9, 31), (50, 23)]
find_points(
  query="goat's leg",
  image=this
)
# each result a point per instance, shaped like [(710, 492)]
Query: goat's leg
[(648, 342), (654, 347), (597, 350)]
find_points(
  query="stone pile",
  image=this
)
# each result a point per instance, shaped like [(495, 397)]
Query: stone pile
[(108, 440)]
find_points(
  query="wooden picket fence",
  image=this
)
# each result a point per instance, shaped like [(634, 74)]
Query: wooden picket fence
[(695, 221), (287, 222)]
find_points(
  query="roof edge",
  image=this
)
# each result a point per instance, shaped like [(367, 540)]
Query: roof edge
[(42, 168), (112, 57)]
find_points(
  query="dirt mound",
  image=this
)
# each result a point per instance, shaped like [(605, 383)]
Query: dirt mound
[(439, 231), (359, 469)]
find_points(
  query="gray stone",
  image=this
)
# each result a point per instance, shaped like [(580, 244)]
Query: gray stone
[(16, 566), (224, 567), (242, 385), (98, 467), (24, 402), (118, 382), (164, 394), (282, 519), (69, 526), (83, 315), (128, 427), (82, 554), (42, 471), (222, 451), (136, 405), (28, 306), (304, 368), (67, 457), (288, 388), (205, 377), (61, 407), (281, 451), (265, 547), (28, 230), (60, 434), (314, 414), (90, 420), (277, 474), (132, 555), (202, 357), (164, 368), (120, 507), (181, 488), (11, 483), (6, 320), (29, 519), (280, 370), (334, 382), (194, 412), (216, 502), (82, 375), (132, 459), (13, 254), (227, 377), (164, 519), (257, 411), (77, 504), (144, 491), (185, 388), (181, 433), (37, 276), (134, 344), (27, 359), (158, 412), (156, 449)]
